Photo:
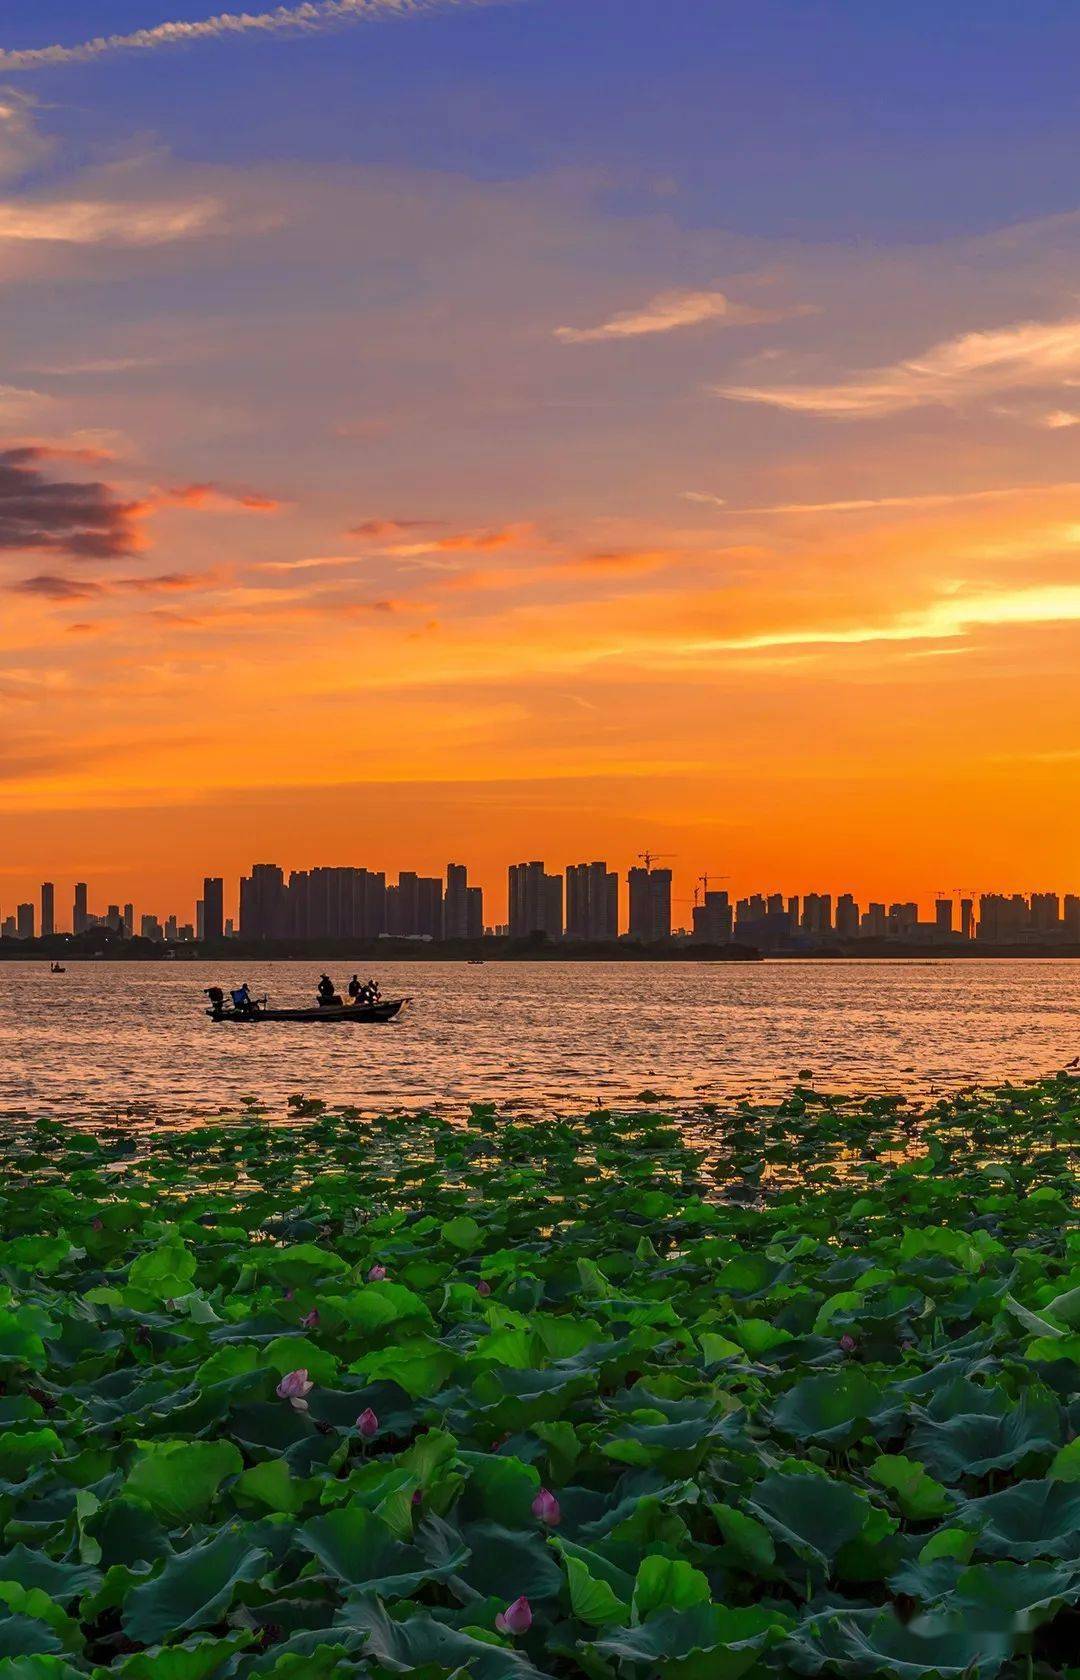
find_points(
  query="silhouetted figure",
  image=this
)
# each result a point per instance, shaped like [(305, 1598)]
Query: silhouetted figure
[(241, 997), (326, 993), (217, 1001), (356, 990)]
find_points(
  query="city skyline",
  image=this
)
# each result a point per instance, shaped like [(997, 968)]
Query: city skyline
[(582, 902), (408, 429)]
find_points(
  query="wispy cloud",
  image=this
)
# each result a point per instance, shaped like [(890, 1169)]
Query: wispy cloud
[(1026, 355), (937, 499), (97, 222), (314, 14), (669, 311), (943, 619)]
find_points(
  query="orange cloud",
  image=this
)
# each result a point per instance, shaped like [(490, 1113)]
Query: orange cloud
[(220, 499), (389, 527)]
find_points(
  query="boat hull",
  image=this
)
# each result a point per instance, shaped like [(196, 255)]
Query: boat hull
[(372, 1014)]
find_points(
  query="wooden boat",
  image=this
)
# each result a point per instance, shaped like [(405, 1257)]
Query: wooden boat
[(357, 1014), (58, 968)]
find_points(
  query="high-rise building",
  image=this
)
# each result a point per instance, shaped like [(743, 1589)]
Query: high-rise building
[(172, 931), (79, 918), (456, 902), (650, 904), (967, 918), (200, 920), (817, 914), (48, 909), (262, 903), (414, 907), (943, 918), (1045, 914), (24, 921), (536, 901), (592, 902), (872, 923), (847, 917), (114, 921), (213, 902), (713, 920), (150, 928)]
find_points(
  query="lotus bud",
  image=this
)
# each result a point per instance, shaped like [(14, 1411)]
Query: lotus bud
[(376, 1274), (516, 1618), (847, 1344), (368, 1424), (310, 1319), (546, 1508), (483, 1288), (293, 1387)]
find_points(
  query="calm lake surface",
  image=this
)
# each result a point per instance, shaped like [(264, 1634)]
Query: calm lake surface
[(106, 1038)]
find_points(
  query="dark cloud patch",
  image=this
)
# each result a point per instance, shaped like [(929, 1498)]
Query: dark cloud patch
[(53, 586), (391, 527), (85, 520), (164, 582), (50, 587)]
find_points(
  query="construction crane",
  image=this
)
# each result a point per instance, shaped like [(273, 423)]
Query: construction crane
[(649, 858), (703, 883)]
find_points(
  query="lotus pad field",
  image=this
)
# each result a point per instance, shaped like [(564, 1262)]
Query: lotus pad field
[(515, 1397)]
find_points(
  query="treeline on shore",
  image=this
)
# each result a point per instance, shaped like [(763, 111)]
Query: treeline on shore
[(106, 943)]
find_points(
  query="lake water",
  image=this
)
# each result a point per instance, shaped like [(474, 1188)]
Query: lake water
[(106, 1038)]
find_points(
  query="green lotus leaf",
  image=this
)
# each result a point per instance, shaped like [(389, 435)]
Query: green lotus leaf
[(462, 1233), (356, 1546), (970, 1431), (812, 1515), (665, 1583), (195, 1659), (917, 1494), (420, 1642), (706, 1642), (836, 1407), (748, 1541), (1034, 1519), (858, 1642), (179, 1480), (164, 1271), (194, 1589)]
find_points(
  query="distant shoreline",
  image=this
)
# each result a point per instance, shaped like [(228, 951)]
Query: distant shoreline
[(374, 953)]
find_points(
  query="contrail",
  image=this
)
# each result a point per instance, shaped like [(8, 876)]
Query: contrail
[(311, 14)]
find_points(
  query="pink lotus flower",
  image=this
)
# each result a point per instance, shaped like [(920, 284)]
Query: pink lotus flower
[(293, 1387), (546, 1507), (368, 1424), (310, 1319), (516, 1618), (376, 1274), (418, 1496), (483, 1288), (847, 1344)]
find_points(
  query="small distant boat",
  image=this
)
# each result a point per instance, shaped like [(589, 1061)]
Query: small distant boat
[(365, 1014), (57, 968)]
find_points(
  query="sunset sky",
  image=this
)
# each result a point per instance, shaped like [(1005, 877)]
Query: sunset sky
[(542, 429)]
